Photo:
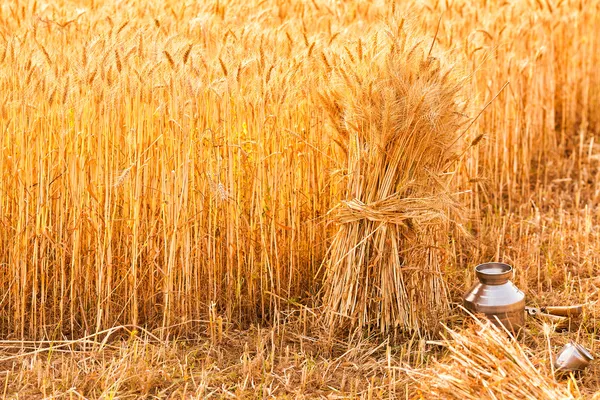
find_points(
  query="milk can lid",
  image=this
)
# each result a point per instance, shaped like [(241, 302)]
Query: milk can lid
[(493, 273)]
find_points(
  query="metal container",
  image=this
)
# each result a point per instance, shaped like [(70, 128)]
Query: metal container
[(497, 297), (572, 357)]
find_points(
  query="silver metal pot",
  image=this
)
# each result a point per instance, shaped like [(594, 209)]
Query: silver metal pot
[(497, 297), (572, 357)]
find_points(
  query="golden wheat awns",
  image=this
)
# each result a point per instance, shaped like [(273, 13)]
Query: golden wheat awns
[(223, 108)]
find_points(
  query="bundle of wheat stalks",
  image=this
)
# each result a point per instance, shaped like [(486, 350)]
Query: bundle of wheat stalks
[(397, 114), (483, 362)]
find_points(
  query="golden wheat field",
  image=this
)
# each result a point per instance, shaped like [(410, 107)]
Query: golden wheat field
[(286, 199)]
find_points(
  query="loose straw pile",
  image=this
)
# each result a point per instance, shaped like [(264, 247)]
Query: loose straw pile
[(483, 362)]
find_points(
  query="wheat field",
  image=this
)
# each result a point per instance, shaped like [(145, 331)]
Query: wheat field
[(287, 198)]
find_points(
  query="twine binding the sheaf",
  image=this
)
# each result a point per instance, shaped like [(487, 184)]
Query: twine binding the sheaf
[(396, 210)]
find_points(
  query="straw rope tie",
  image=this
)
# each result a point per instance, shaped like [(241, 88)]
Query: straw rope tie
[(393, 210)]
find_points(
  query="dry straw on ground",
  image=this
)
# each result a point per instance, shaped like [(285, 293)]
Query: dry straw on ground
[(484, 362)]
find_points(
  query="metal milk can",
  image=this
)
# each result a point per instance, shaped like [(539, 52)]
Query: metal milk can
[(497, 297)]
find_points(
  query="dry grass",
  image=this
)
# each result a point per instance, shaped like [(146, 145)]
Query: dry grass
[(484, 362), (170, 166), (283, 362)]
